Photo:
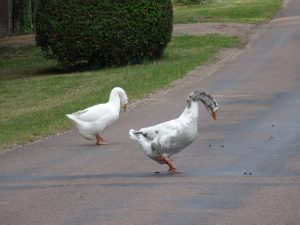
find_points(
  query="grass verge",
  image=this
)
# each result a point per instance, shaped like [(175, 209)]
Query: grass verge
[(34, 100), (240, 11)]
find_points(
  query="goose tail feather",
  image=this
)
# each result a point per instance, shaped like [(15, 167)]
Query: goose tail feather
[(71, 117), (75, 120), (134, 134)]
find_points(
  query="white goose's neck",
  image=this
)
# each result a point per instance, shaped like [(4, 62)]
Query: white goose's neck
[(191, 111), (114, 98)]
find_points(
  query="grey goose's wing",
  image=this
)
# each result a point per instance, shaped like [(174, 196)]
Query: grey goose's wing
[(172, 143)]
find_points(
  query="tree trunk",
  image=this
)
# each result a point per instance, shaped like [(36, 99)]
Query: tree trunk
[(24, 12), (16, 16)]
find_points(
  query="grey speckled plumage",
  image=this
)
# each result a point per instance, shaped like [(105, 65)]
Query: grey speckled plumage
[(163, 140)]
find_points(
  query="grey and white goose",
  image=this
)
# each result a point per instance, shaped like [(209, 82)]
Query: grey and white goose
[(163, 140)]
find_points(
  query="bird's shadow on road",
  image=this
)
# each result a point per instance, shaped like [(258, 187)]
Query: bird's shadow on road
[(96, 180)]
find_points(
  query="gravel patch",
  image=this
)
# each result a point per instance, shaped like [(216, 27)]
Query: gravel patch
[(241, 30)]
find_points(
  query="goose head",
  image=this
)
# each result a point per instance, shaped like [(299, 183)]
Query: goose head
[(122, 95), (124, 100), (208, 101)]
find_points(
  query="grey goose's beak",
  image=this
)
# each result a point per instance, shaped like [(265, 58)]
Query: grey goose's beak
[(214, 115)]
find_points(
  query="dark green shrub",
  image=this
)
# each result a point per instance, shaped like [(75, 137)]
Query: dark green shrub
[(190, 2), (104, 32)]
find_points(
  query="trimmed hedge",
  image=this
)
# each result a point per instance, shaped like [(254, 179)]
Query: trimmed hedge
[(104, 32)]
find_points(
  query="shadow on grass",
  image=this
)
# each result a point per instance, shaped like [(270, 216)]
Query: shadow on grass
[(32, 73), (47, 71), (55, 70)]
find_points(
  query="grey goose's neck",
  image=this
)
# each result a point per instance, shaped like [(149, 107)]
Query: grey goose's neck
[(191, 110)]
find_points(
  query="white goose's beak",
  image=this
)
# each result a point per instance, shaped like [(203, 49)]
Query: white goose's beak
[(125, 107), (214, 115)]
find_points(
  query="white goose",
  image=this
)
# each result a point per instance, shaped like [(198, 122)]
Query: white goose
[(92, 121), (163, 140)]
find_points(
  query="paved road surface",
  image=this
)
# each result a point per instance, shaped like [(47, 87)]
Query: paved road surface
[(243, 169)]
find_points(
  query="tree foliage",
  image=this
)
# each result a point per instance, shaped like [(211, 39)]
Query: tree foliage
[(104, 32)]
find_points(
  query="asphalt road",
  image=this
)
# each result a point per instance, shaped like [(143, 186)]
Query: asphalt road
[(243, 169)]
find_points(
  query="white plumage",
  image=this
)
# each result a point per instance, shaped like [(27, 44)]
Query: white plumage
[(92, 121), (163, 140)]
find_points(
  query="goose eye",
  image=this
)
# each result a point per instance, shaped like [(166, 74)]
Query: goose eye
[(156, 131)]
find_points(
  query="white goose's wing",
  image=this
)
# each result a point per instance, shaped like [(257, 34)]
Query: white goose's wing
[(96, 112)]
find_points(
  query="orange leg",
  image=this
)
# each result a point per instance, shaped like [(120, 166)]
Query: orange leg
[(172, 168), (100, 140)]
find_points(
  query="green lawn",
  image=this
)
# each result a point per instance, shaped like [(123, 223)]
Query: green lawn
[(245, 11), (34, 96)]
